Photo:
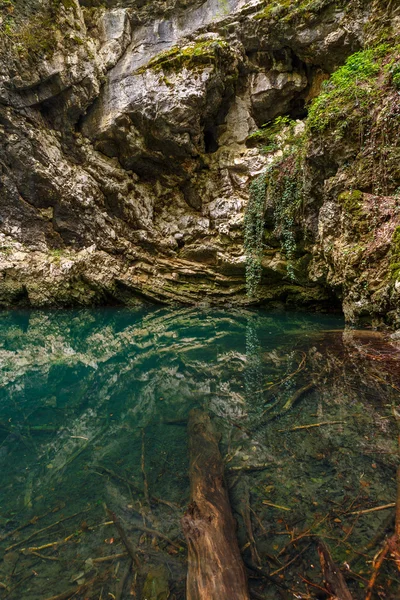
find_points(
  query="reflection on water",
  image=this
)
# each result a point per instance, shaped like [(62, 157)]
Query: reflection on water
[(92, 416)]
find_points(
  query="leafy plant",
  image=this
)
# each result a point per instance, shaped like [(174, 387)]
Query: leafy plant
[(285, 192), (352, 85), (253, 233), (395, 73), (269, 132)]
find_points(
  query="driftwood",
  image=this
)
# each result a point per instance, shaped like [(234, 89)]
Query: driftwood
[(125, 540), (215, 567), (333, 578)]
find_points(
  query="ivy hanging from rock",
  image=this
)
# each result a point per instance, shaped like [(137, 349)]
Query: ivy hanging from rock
[(253, 233), (285, 193)]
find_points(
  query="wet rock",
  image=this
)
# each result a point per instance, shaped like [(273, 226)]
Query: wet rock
[(156, 584), (124, 164)]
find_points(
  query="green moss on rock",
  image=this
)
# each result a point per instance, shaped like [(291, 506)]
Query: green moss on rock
[(395, 254), (292, 9), (352, 202), (350, 93), (190, 57)]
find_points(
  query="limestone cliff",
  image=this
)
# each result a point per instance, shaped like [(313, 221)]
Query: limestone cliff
[(173, 150)]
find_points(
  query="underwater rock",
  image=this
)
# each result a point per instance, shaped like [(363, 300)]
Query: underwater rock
[(156, 584)]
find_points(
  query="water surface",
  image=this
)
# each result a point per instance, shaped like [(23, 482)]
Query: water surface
[(93, 410)]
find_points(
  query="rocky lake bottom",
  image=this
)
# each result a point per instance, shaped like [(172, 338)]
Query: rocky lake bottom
[(93, 413)]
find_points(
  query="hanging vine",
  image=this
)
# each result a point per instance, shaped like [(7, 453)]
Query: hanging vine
[(253, 233), (285, 191)]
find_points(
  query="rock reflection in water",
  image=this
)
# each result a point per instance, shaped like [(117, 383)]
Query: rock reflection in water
[(92, 416)]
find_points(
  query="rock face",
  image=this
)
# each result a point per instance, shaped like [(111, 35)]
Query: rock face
[(128, 143)]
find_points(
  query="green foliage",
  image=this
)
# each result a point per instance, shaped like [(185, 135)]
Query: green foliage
[(253, 233), (395, 73), (352, 86), (269, 133), (283, 184), (285, 191), (6, 17), (38, 36)]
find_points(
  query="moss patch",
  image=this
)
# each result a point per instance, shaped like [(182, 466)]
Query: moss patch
[(395, 254), (268, 134), (37, 36), (351, 201), (289, 10), (350, 93), (189, 57)]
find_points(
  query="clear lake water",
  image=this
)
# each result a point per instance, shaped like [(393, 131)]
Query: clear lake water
[(93, 413)]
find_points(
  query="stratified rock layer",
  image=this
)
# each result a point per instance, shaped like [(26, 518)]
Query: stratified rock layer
[(125, 160)]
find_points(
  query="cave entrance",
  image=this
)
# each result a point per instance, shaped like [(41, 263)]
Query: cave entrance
[(210, 139)]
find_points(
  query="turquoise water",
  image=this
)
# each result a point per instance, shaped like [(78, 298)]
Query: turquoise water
[(93, 411)]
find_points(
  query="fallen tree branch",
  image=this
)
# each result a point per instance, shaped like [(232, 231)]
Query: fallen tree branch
[(370, 510), (215, 567), (125, 540), (298, 427), (35, 533), (333, 577)]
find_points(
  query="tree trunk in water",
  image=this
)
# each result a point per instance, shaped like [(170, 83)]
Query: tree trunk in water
[(215, 567), (333, 578)]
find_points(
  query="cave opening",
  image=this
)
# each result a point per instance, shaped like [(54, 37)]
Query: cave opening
[(298, 109), (210, 139)]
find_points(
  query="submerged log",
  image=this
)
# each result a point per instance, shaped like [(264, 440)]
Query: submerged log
[(215, 567), (333, 578)]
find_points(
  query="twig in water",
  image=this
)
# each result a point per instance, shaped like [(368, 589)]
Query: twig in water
[(275, 505), (299, 368), (248, 468), (122, 582), (19, 584), (125, 540), (298, 427), (290, 561), (297, 395), (313, 584), (102, 559), (246, 515), (145, 483), (69, 593), (31, 522), (369, 510), (42, 555), (156, 533), (35, 533), (377, 563), (50, 545)]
